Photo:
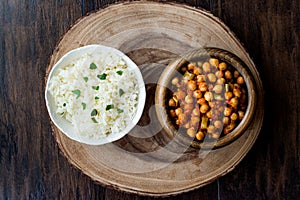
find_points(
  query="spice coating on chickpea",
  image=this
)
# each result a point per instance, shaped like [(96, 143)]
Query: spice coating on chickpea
[(208, 98), (214, 62)]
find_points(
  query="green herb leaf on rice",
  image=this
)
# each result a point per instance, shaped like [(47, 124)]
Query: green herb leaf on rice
[(108, 107), (83, 105), (93, 66), (121, 92), (95, 87), (94, 112), (120, 72), (77, 93), (102, 76)]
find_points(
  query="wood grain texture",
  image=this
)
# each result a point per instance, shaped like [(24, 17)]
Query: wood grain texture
[(270, 32), (31, 165), (140, 162)]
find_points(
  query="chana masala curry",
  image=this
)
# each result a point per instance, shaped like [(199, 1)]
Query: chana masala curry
[(207, 98)]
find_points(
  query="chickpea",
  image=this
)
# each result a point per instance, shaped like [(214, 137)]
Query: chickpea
[(172, 103), (215, 135), (234, 116), (189, 99), (200, 135), (228, 95), (241, 114), (180, 94), (178, 111), (191, 85), (234, 102), (237, 86), (201, 101), (208, 96), (196, 112), (184, 81), (200, 78), (187, 125), (191, 66), (203, 87), (206, 67), (218, 97), (211, 77), (204, 108), (229, 128), (175, 81), (222, 66), (218, 124), (218, 89), (172, 113), (199, 63), (209, 114), (219, 74), (226, 120), (188, 76), (221, 108), (237, 92), (240, 80), (210, 129), (191, 132), (227, 111), (197, 94), (214, 62), (228, 75), (221, 81), (182, 118), (197, 71), (194, 121), (188, 108), (236, 74)]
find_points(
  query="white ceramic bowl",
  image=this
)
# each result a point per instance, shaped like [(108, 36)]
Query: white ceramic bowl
[(65, 126)]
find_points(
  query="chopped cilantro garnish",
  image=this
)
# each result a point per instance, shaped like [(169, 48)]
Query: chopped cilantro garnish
[(96, 98), (94, 112), (64, 105), (95, 87), (121, 92), (120, 72), (77, 92), (102, 76), (120, 110), (93, 66), (86, 78), (83, 105), (108, 107), (94, 120)]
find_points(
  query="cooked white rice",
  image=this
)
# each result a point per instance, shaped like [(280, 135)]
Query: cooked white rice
[(97, 94)]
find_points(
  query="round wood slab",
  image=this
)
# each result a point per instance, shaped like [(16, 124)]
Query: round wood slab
[(146, 161)]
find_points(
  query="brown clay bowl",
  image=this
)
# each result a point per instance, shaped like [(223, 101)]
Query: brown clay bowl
[(165, 89)]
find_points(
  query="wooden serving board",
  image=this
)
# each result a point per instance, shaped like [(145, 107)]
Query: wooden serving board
[(145, 161)]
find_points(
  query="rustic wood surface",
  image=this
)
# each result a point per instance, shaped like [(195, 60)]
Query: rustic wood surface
[(31, 163), (145, 161)]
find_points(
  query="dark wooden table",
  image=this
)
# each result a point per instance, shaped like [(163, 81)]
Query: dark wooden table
[(31, 165)]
